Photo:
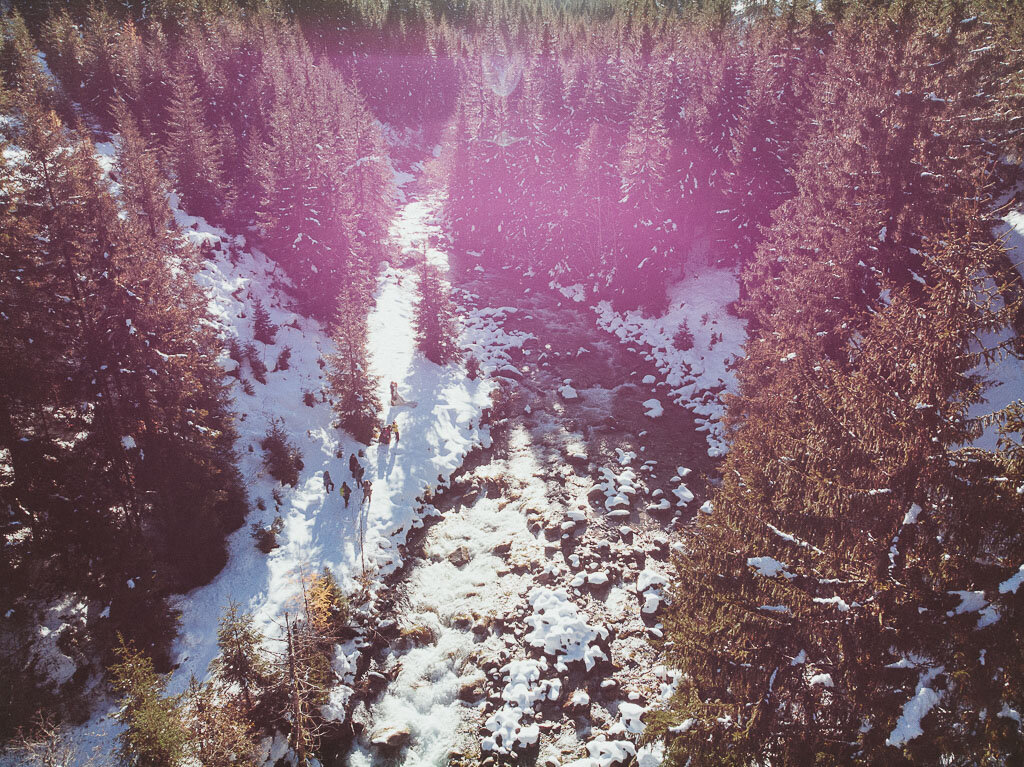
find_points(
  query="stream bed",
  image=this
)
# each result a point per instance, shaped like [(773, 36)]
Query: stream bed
[(521, 624)]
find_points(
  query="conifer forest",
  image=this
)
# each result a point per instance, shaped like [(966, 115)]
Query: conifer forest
[(557, 383)]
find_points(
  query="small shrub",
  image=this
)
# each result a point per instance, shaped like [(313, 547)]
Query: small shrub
[(247, 387), (264, 330), (473, 368), (235, 350), (308, 399), (282, 459), (683, 339), (283, 359), (266, 537), (418, 636), (501, 404), (259, 369)]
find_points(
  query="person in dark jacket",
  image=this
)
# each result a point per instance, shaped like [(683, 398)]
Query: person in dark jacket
[(328, 482), (367, 491)]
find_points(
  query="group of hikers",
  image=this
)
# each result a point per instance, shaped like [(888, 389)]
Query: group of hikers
[(355, 467), (389, 431)]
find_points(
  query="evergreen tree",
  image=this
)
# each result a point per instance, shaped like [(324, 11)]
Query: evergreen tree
[(846, 524), (781, 64), (218, 736), (170, 394), (242, 661), (194, 152), (821, 592), (154, 734), (132, 423), (643, 169), (354, 386), (263, 329), (597, 192), (143, 188), (437, 332)]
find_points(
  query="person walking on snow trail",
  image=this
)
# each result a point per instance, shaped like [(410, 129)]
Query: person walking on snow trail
[(394, 430), (355, 466), (367, 491), (346, 492), (328, 482)]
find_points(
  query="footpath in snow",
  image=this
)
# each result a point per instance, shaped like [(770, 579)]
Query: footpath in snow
[(314, 529)]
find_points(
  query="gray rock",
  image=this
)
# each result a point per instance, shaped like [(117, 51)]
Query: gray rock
[(391, 736), (460, 557), (502, 549)]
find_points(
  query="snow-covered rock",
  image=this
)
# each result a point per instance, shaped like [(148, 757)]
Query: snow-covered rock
[(654, 408), (558, 628), (566, 391)]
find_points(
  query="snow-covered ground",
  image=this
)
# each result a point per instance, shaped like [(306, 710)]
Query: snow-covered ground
[(1007, 372), (439, 426), (319, 530)]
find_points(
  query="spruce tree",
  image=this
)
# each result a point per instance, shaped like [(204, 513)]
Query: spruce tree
[(194, 152), (825, 588), (218, 735), (154, 735), (263, 329), (143, 188), (242, 662), (781, 63), (437, 332), (118, 316), (354, 386), (643, 168), (171, 396)]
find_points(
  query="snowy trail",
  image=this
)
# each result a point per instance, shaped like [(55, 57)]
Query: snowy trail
[(319, 530), (316, 529)]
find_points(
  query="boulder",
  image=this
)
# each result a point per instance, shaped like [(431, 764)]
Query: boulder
[(391, 737), (460, 557)]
